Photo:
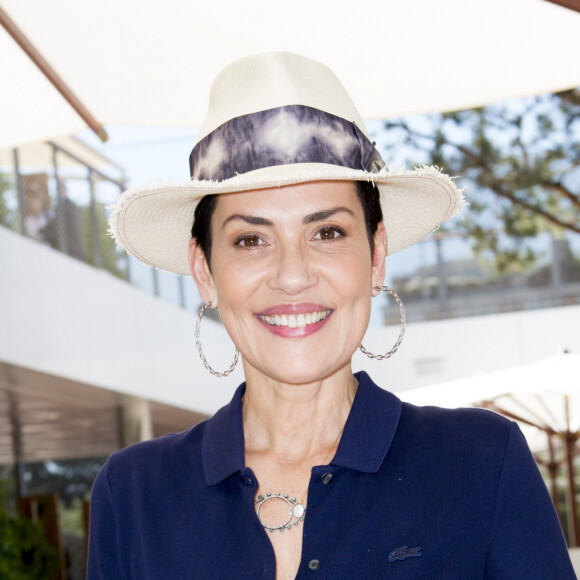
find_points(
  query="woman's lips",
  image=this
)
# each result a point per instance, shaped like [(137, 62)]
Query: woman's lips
[(294, 320), (298, 308)]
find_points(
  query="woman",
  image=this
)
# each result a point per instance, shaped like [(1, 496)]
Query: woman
[(310, 471)]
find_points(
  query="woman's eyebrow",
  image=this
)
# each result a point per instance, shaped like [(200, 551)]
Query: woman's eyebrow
[(310, 218), (324, 215), (250, 219)]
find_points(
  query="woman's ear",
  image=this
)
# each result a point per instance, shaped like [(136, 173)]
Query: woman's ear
[(201, 273), (379, 255)]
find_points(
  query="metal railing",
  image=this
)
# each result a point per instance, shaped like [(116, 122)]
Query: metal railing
[(65, 210), (442, 278), (64, 204)]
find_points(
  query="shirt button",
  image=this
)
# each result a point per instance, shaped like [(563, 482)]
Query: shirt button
[(248, 480), (326, 478), (314, 564)]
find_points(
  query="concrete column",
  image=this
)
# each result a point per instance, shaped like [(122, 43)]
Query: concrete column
[(17, 444), (19, 191), (95, 233), (442, 275), (135, 422)]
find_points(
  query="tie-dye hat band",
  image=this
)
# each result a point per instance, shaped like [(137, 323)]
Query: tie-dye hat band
[(282, 136)]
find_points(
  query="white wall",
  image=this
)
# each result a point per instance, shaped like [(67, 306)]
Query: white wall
[(60, 316), (437, 352)]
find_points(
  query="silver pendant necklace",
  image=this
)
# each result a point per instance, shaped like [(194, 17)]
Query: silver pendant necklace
[(296, 507), (296, 510)]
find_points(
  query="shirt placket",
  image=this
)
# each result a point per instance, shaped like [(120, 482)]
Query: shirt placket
[(320, 523), (262, 548)]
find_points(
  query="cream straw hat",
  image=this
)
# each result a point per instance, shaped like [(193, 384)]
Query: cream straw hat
[(277, 119)]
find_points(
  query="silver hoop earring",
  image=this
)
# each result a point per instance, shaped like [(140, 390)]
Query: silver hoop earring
[(401, 332), (203, 308)]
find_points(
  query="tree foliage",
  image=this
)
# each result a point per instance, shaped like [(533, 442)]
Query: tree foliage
[(520, 162), (25, 553)]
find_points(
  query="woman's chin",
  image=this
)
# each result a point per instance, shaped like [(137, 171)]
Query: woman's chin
[(297, 368)]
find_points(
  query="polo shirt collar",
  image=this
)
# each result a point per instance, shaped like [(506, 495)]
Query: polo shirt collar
[(366, 438), (370, 427), (222, 448)]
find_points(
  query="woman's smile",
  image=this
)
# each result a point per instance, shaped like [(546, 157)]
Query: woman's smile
[(294, 320)]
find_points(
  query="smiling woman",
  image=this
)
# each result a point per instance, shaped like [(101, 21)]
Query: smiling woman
[(311, 469)]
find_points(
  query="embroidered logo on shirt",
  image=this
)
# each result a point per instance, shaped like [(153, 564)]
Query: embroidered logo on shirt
[(404, 552)]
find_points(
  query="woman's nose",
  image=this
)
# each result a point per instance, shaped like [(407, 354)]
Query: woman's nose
[(293, 272)]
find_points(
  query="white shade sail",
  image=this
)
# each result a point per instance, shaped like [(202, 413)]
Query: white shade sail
[(554, 376), (151, 62)]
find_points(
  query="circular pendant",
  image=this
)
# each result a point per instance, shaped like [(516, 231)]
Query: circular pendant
[(295, 514), (261, 502), (298, 510)]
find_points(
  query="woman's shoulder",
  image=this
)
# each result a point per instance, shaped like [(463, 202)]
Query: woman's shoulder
[(471, 429), (463, 417), (173, 448), (469, 445)]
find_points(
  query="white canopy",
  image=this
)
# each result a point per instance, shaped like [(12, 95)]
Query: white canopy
[(152, 61), (557, 375)]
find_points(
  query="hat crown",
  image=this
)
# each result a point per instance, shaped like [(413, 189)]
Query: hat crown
[(276, 79)]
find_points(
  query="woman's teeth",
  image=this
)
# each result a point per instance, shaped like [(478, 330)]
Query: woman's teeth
[(295, 320)]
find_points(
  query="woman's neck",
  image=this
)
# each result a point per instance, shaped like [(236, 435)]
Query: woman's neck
[(296, 423)]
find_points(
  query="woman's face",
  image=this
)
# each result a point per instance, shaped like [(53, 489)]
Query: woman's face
[(292, 274)]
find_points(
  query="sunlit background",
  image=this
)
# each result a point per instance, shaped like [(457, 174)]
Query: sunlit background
[(97, 350)]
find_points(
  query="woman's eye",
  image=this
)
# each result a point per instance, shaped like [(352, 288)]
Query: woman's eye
[(249, 241), (328, 234)]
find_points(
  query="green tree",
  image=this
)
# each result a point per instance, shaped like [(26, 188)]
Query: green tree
[(25, 553), (520, 161)]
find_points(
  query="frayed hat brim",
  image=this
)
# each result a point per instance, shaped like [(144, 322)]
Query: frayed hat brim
[(154, 223)]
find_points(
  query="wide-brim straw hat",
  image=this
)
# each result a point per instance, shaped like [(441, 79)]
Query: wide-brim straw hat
[(278, 119)]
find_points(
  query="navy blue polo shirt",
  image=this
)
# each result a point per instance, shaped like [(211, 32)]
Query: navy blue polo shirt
[(413, 492)]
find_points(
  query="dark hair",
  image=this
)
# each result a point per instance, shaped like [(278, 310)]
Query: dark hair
[(367, 193), (370, 200)]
